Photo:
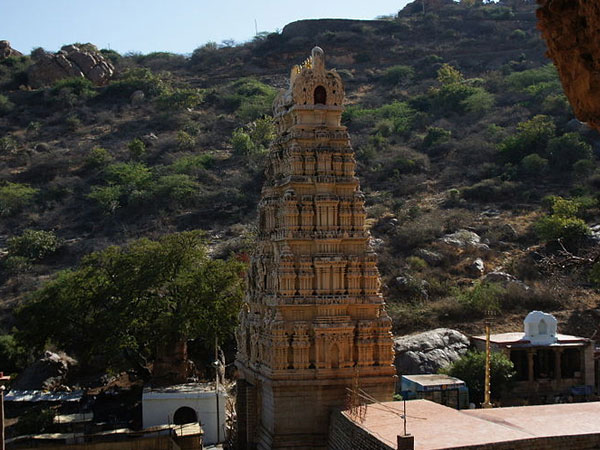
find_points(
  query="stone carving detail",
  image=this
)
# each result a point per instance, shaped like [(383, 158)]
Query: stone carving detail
[(314, 307)]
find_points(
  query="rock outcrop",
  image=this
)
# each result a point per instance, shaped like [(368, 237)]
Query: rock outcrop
[(428, 352), (47, 373), (6, 50), (505, 279), (463, 239), (70, 62), (571, 29)]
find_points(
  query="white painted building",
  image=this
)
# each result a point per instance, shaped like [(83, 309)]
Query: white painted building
[(185, 403)]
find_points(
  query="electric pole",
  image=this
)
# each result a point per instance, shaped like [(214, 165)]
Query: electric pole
[(487, 403), (3, 381)]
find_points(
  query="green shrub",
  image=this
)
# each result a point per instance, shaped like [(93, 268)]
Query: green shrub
[(562, 222), (567, 149), (398, 74), (14, 197), (490, 190), (134, 184), (70, 91), (242, 143), (471, 369), (560, 206), (13, 71), (518, 35), (481, 297), (131, 176), (584, 167), (108, 197), (208, 54), (191, 164), (127, 183), (522, 80), (540, 85), (569, 229), (137, 148), (34, 244), (8, 144), (6, 105), (98, 157), (435, 136), (12, 354), (162, 60), (448, 74), (532, 137), (72, 122), (249, 98), (594, 275), (454, 97), (497, 12), (112, 55), (262, 132), (556, 104), (479, 101), (384, 127), (16, 265), (400, 114), (177, 189), (533, 165), (179, 99), (185, 141), (139, 79), (34, 126), (416, 263)]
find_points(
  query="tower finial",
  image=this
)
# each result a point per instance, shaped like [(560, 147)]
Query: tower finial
[(318, 59)]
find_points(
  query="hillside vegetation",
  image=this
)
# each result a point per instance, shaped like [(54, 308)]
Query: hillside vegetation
[(458, 121)]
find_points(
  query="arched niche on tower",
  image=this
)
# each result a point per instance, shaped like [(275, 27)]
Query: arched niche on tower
[(320, 95)]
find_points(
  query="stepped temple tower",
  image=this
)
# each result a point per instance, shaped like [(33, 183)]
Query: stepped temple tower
[(314, 322)]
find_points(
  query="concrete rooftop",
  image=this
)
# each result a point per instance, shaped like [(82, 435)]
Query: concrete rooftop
[(520, 338), (434, 380), (438, 427)]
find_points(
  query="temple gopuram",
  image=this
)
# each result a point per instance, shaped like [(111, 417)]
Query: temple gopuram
[(314, 323)]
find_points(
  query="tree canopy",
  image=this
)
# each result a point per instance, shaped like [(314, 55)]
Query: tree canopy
[(119, 303), (471, 369)]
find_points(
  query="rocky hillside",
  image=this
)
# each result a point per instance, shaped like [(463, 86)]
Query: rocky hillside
[(481, 186)]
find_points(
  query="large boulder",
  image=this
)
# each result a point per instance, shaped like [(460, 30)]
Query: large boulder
[(430, 257), (505, 279), (70, 62), (463, 239), (47, 373), (571, 29), (429, 351), (6, 50)]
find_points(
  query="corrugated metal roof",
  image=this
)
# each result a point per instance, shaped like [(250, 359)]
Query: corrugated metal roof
[(33, 396)]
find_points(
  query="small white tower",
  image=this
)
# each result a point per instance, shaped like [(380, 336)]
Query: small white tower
[(540, 328)]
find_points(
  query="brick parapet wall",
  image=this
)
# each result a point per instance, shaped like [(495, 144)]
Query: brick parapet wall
[(345, 434), (576, 442)]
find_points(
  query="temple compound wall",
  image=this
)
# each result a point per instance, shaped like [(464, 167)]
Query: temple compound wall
[(314, 321)]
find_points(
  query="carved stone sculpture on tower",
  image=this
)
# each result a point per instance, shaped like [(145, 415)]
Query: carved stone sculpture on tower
[(314, 318)]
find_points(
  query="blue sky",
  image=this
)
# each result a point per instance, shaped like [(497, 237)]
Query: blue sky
[(164, 25)]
